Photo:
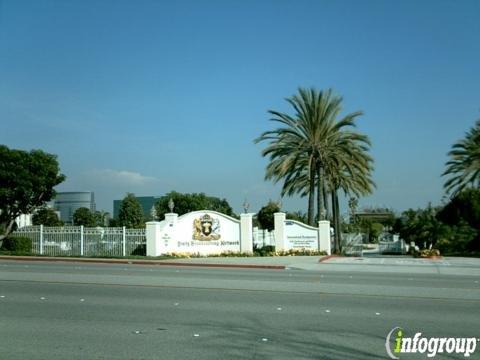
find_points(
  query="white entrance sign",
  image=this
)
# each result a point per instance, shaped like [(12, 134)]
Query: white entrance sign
[(300, 236), (199, 232), (294, 235)]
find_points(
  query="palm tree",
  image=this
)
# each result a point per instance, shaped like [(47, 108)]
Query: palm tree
[(349, 170), (464, 164), (302, 148)]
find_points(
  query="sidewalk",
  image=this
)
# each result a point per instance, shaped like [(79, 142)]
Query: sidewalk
[(379, 264)]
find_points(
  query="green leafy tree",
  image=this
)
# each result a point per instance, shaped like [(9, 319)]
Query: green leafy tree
[(265, 216), (102, 218), (27, 181), (184, 203), (46, 217), (421, 226), (463, 168), (297, 215), (112, 222), (83, 216), (462, 213), (465, 206), (130, 213)]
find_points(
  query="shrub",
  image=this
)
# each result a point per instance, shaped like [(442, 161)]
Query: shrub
[(427, 253), (267, 250), (17, 244), (140, 250)]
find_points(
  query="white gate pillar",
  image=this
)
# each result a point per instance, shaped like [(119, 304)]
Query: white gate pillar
[(154, 244), (279, 231), (324, 243), (171, 218), (246, 233)]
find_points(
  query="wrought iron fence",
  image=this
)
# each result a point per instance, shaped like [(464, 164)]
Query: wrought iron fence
[(392, 247), (82, 241), (263, 238), (352, 244)]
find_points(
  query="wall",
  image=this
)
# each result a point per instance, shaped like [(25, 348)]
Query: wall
[(300, 236), (291, 234), (187, 234)]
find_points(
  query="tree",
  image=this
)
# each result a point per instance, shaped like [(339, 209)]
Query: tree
[(47, 217), (465, 206), (349, 168), (266, 217), (297, 215), (306, 145), (317, 151), (184, 203), (27, 181), (83, 216), (462, 214), (102, 218), (463, 168), (130, 213), (353, 205), (421, 226)]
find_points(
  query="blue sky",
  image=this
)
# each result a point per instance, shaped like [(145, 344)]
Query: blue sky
[(153, 96)]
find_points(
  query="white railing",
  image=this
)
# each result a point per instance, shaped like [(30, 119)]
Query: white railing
[(396, 246), (352, 244), (263, 238), (82, 241)]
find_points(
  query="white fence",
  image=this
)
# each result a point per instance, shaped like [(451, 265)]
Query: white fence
[(396, 246), (82, 241), (352, 244), (263, 238)]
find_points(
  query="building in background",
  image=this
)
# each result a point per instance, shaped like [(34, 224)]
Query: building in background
[(27, 219), (146, 201), (66, 203), (24, 220)]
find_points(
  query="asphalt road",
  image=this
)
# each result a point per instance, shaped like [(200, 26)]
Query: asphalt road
[(91, 311)]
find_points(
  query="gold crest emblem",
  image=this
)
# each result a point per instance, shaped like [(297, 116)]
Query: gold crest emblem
[(206, 228)]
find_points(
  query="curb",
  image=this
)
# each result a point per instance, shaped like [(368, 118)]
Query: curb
[(327, 257), (140, 262)]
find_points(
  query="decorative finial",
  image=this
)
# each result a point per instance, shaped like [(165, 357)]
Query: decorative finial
[(153, 213), (245, 205), (171, 205)]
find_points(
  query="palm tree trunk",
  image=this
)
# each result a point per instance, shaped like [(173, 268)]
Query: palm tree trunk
[(311, 194), (337, 221), (334, 225), (325, 197), (320, 194)]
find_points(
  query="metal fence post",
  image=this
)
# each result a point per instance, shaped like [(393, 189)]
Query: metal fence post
[(41, 239), (81, 240), (124, 236)]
